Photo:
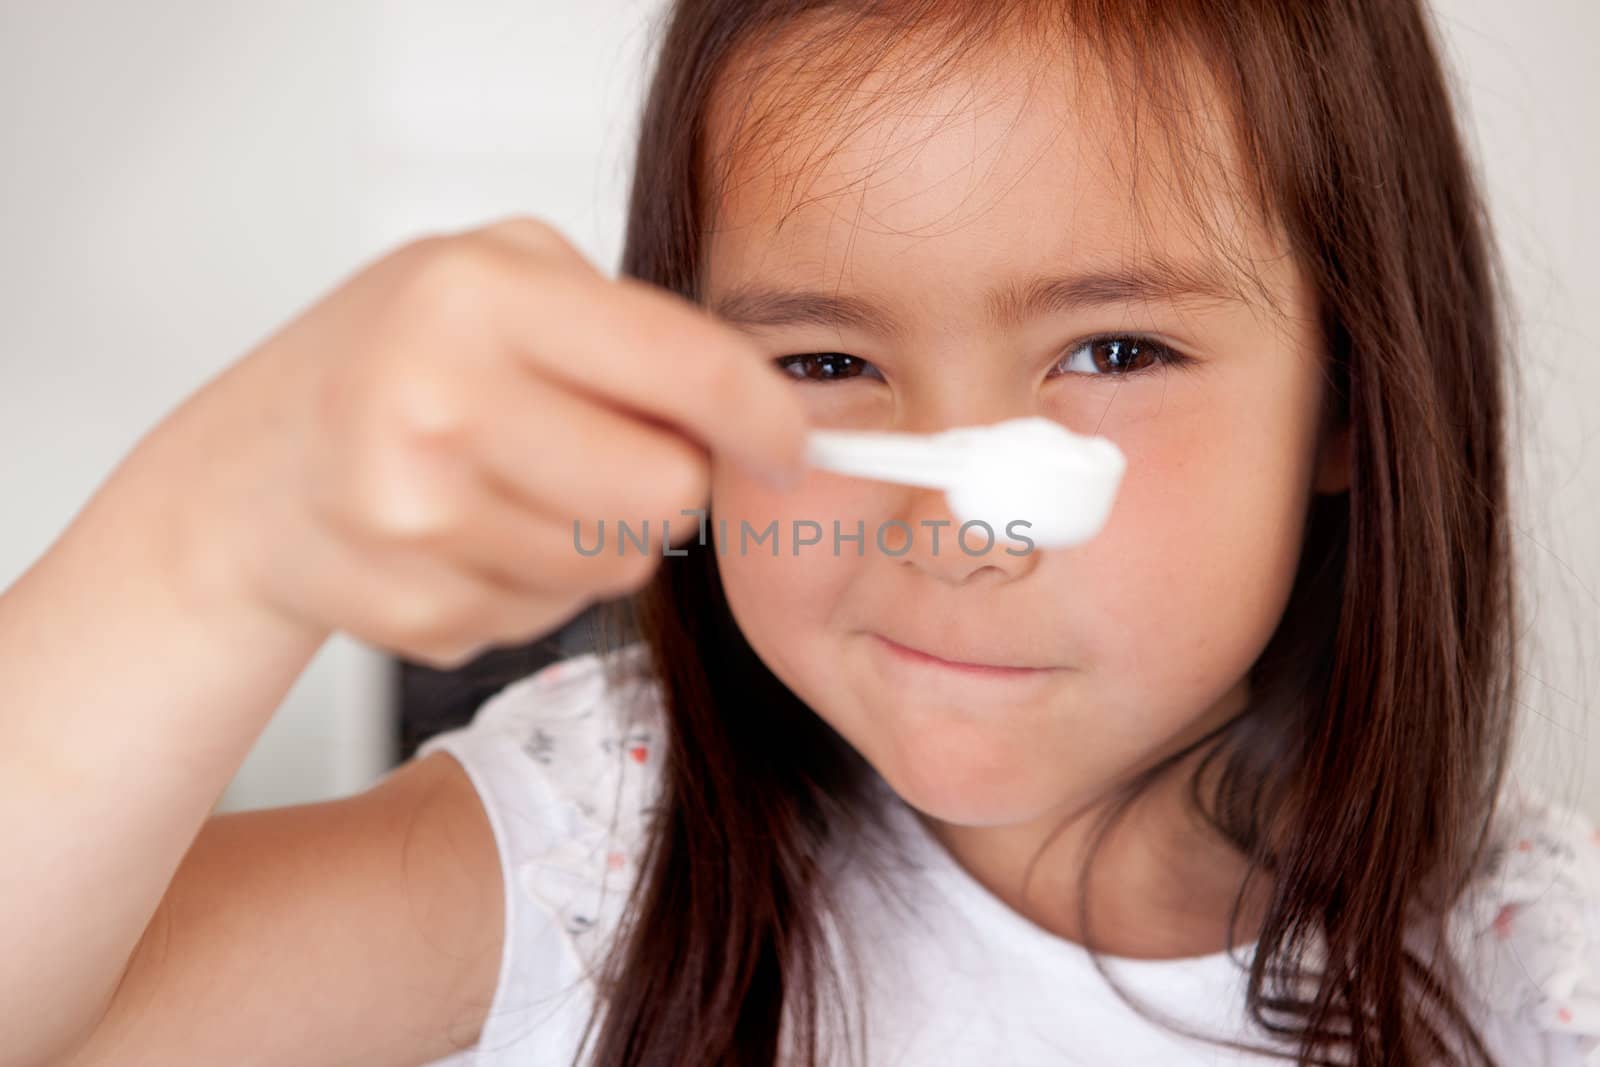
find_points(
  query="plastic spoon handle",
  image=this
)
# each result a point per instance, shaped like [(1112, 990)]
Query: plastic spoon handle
[(903, 458)]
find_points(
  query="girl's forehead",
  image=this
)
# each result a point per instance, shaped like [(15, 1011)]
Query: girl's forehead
[(1028, 161)]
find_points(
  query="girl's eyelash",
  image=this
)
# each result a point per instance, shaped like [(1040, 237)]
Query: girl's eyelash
[(1127, 347), (839, 363)]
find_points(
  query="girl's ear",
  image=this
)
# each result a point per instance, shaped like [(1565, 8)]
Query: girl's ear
[(1333, 459)]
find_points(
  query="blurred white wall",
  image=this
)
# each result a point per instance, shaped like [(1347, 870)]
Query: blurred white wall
[(1529, 79), (181, 177)]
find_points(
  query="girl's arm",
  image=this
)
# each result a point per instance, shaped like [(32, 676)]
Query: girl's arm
[(406, 462), (362, 931)]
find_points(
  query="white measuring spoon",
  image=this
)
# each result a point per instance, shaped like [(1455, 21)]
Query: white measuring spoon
[(1033, 469)]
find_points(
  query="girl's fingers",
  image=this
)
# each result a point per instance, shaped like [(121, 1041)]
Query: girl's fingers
[(536, 240), (414, 602), (648, 350), (573, 458), (522, 549), (459, 406)]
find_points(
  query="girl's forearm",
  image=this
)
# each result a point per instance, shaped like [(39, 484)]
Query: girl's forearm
[(128, 699)]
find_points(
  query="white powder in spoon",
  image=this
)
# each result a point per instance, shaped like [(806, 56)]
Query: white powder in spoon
[(1029, 470), (1035, 470)]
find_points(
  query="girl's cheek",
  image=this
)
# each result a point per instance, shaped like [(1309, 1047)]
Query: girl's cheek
[(737, 495), (778, 590), (752, 510), (1154, 404), (1164, 522), (856, 405)]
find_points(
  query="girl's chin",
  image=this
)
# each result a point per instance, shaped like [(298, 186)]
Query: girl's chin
[(981, 788)]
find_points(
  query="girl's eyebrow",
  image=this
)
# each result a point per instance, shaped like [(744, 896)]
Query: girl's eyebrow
[(1154, 280)]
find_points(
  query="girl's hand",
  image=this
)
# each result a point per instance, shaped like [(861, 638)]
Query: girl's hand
[(405, 460)]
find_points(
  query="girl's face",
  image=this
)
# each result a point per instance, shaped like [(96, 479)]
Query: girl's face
[(979, 254)]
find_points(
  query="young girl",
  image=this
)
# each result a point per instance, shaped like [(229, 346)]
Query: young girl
[(1226, 784)]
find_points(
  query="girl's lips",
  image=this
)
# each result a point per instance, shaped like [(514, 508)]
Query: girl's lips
[(912, 655)]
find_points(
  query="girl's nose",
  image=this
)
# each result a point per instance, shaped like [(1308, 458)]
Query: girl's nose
[(942, 545)]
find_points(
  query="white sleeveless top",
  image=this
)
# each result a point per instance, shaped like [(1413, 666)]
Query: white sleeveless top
[(963, 979)]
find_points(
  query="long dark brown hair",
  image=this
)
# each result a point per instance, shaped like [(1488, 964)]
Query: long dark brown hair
[(1381, 709)]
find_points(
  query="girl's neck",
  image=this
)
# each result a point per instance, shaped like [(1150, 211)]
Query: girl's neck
[(1162, 886)]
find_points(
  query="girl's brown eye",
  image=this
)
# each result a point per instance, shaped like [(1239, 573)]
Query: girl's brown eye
[(1113, 355), (826, 367)]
